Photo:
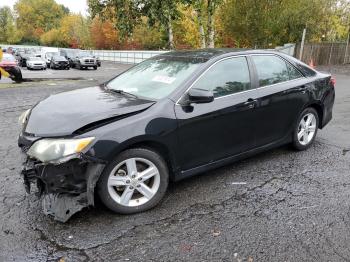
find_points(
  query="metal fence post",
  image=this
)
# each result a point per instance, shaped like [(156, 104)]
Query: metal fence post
[(302, 44), (346, 48), (330, 54)]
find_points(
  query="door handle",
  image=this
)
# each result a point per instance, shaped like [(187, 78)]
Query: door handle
[(250, 103), (303, 89)]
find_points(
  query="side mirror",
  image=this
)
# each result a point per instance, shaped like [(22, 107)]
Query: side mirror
[(200, 96)]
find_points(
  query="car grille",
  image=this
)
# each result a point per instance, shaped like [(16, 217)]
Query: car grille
[(62, 63), (38, 64), (89, 61)]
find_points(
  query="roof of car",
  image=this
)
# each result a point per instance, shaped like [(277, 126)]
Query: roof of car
[(213, 52)]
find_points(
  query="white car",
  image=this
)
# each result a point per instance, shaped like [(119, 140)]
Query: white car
[(36, 63)]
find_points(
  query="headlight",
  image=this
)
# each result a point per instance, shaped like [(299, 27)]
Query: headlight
[(23, 117), (52, 149)]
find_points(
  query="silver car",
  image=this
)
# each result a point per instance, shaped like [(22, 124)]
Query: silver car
[(36, 63)]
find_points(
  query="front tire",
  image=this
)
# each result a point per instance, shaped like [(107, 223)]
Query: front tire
[(135, 181), (305, 130)]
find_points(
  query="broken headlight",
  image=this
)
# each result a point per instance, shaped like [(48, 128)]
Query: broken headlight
[(49, 149), (23, 117)]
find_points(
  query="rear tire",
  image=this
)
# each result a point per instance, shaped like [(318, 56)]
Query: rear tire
[(125, 188), (305, 130)]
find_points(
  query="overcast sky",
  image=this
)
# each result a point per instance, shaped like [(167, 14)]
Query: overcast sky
[(75, 6)]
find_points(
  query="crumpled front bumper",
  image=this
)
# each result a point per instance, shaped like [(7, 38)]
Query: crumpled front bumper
[(65, 187)]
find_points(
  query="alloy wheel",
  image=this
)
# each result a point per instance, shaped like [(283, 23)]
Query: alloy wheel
[(307, 129), (133, 182)]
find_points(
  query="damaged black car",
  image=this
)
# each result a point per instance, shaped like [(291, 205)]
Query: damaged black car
[(170, 117)]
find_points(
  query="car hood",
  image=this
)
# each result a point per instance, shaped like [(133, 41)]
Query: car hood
[(65, 113)]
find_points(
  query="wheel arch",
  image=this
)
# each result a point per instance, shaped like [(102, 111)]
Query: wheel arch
[(319, 109), (153, 145)]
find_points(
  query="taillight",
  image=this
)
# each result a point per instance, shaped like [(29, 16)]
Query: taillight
[(332, 81)]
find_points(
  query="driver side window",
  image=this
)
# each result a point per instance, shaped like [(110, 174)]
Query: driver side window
[(226, 77)]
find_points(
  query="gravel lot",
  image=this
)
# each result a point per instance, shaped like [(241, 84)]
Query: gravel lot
[(281, 205)]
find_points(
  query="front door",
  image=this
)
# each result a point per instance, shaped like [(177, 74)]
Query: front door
[(225, 127)]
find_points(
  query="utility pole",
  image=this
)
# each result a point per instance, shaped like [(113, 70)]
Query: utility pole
[(347, 47), (302, 44)]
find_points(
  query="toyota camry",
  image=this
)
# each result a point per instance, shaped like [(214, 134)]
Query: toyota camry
[(170, 117)]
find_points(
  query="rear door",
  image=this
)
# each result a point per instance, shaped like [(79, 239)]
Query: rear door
[(224, 127), (282, 93)]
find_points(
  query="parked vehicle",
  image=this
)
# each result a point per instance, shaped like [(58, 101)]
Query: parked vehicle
[(98, 61), (48, 56), (59, 62), (47, 53), (35, 63), (10, 65), (84, 60), (23, 56), (69, 54), (170, 117)]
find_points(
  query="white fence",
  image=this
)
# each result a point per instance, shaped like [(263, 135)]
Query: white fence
[(130, 57), (134, 57)]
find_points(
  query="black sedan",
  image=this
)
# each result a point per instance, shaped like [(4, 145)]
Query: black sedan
[(170, 117), (59, 62)]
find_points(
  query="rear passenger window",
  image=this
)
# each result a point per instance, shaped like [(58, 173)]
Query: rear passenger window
[(293, 72), (226, 77), (271, 69)]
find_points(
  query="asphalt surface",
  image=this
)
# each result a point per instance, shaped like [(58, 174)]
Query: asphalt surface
[(281, 205)]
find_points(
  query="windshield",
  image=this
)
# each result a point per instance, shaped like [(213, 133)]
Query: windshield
[(59, 58), (155, 78), (51, 54)]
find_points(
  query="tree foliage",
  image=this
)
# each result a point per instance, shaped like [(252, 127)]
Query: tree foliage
[(35, 17), (103, 34), (267, 23), (8, 34), (153, 24)]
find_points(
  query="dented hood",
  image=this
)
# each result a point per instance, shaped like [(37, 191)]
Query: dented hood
[(64, 113)]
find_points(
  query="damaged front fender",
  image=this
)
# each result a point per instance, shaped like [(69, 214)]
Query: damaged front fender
[(66, 186)]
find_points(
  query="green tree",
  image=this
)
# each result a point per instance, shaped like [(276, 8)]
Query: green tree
[(8, 34), (206, 11), (266, 23), (35, 17), (125, 14), (163, 12)]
